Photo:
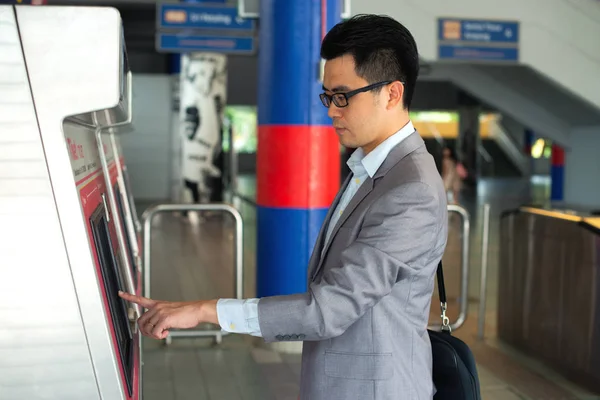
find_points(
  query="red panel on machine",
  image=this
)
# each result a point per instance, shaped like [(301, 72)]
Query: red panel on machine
[(91, 186)]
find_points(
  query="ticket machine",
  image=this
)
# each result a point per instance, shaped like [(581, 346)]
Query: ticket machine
[(69, 240)]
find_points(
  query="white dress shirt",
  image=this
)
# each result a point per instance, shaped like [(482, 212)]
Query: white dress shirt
[(241, 316)]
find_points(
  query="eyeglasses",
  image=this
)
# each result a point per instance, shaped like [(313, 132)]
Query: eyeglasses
[(341, 99)]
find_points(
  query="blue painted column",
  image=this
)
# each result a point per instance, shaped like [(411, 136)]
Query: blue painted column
[(557, 173), (298, 156), (527, 146), (528, 142)]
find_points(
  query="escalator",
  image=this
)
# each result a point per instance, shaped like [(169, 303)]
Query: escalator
[(501, 166), (551, 88)]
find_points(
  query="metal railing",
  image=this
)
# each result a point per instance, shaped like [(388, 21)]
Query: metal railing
[(464, 281), (148, 217), (484, 265), (488, 160), (150, 213)]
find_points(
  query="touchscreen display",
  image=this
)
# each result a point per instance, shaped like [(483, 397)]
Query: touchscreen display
[(112, 284)]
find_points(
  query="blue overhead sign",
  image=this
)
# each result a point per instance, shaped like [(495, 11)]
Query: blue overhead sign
[(184, 43), (201, 16), (478, 40), (17, 2)]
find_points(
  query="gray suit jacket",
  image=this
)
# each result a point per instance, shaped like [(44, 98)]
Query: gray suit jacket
[(364, 318)]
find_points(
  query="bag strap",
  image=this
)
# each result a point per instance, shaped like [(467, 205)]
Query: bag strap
[(443, 304)]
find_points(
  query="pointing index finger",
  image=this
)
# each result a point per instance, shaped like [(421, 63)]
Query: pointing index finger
[(142, 301)]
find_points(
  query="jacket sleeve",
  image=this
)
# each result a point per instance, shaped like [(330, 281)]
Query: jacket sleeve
[(399, 233)]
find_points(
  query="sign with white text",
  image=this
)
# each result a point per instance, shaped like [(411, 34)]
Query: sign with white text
[(478, 40)]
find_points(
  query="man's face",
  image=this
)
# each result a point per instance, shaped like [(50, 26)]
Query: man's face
[(358, 124)]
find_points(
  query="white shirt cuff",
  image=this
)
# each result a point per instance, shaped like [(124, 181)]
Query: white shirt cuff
[(239, 316)]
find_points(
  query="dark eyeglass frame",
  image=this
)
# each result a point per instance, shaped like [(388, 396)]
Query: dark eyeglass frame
[(337, 97)]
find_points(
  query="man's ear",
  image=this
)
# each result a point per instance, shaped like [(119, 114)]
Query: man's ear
[(395, 93)]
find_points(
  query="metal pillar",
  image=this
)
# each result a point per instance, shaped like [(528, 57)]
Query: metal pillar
[(469, 138)]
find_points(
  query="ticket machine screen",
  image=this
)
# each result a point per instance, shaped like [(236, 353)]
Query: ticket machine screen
[(112, 284)]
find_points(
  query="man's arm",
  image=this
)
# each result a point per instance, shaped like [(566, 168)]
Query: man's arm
[(233, 315), (398, 237)]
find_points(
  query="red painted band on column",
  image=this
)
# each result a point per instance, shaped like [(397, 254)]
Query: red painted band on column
[(295, 168), (558, 155)]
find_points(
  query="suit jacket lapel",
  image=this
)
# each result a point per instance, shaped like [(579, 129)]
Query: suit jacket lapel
[(407, 146), (318, 248), (362, 192), (402, 149)]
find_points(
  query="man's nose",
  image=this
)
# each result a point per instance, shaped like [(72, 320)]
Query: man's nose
[(333, 111)]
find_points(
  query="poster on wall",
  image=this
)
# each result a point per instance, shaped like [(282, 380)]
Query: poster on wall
[(202, 100)]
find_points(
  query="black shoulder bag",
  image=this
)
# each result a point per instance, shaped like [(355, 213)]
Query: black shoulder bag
[(454, 370)]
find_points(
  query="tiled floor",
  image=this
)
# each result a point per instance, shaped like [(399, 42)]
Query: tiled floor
[(193, 259)]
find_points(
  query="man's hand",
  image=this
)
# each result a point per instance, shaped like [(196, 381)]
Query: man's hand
[(164, 315)]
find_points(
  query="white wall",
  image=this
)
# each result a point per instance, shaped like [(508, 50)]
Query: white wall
[(147, 149), (558, 38), (582, 166)]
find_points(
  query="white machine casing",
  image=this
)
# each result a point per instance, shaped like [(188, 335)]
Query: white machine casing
[(69, 237)]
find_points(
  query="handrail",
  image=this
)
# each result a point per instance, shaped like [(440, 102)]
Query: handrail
[(484, 267), (487, 158), (464, 282), (509, 146), (499, 123), (485, 154), (238, 279), (436, 134)]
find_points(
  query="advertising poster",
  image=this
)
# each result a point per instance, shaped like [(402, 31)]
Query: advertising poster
[(203, 97)]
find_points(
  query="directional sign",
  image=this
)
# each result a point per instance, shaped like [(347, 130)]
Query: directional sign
[(184, 43), (478, 40), (32, 2), (201, 16), (251, 8), (478, 31), (477, 53)]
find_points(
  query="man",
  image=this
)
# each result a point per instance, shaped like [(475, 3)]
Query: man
[(363, 319)]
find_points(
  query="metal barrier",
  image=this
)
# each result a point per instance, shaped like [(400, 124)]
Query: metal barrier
[(464, 282), (484, 266), (149, 215)]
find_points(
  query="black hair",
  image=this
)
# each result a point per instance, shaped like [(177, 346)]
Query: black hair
[(383, 50)]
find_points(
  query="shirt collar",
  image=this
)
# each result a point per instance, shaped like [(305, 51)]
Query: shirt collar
[(372, 161)]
